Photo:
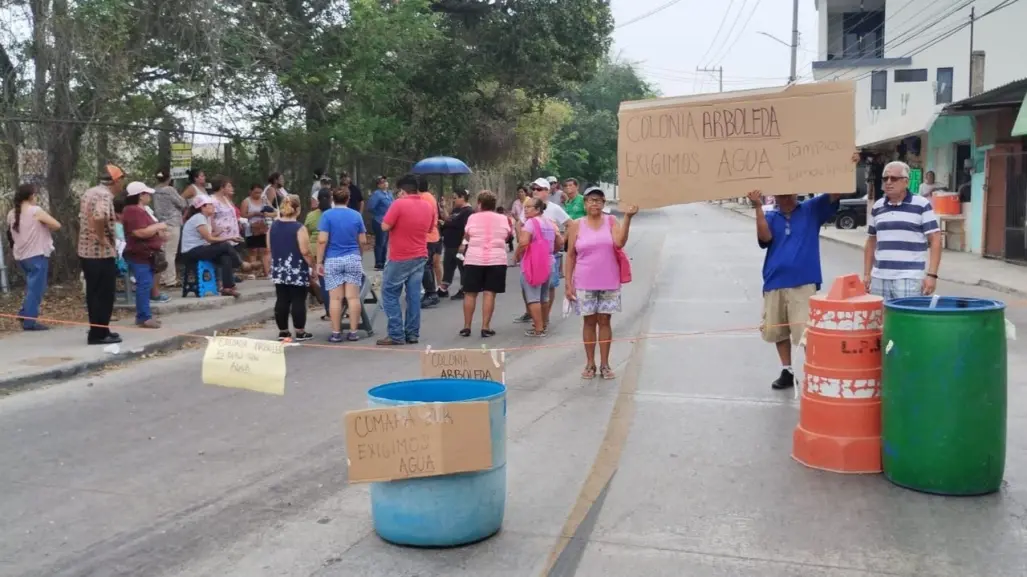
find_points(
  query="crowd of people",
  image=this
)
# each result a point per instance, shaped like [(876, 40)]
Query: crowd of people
[(554, 234)]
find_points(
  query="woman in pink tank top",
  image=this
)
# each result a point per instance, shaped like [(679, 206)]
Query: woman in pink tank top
[(593, 276)]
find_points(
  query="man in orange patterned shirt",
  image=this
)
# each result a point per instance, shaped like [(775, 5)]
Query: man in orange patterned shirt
[(97, 253)]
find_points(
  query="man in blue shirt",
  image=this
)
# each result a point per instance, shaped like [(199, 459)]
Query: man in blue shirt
[(791, 269), (378, 205)]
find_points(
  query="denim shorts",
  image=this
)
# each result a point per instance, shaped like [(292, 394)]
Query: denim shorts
[(554, 275)]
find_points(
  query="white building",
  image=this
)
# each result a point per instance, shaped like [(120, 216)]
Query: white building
[(910, 57)]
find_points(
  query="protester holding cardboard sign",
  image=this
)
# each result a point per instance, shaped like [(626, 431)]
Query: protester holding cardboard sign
[(791, 270), (595, 271)]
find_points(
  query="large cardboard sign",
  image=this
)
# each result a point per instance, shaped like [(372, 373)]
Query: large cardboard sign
[(793, 140), (422, 440)]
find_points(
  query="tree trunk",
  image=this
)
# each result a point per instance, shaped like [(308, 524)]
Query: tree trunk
[(320, 145), (63, 150)]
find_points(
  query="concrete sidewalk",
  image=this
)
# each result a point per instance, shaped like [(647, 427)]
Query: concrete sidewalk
[(62, 352), (960, 267)]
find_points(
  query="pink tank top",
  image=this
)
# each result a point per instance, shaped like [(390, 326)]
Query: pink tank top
[(595, 266)]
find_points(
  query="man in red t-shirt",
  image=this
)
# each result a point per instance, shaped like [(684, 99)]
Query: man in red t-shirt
[(408, 222)]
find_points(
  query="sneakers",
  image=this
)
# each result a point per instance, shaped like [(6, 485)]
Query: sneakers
[(161, 298), (302, 336), (352, 337), (335, 338), (429, 301), (149, 324), (459, 296), (525, 318), (443, 293), (535, 334), (785, 381), (111, 339)]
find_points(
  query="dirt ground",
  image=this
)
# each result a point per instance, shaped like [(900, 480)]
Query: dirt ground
[(63, 302)]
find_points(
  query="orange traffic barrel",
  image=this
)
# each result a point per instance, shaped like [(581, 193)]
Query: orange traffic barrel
[(840, 411)]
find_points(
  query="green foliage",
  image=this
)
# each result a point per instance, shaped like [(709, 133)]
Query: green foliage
[(586, 146)]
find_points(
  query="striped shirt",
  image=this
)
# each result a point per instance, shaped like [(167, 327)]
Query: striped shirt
[(901, 231)]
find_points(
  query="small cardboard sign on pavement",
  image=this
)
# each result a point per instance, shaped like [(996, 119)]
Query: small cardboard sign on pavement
[(242, 363), (422, 440), (793, 140), (480, 364)]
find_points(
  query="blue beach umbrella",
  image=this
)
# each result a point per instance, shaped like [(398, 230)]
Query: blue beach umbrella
[(441, 165)]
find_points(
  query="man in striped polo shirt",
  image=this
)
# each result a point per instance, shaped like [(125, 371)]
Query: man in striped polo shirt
[(902, 231)]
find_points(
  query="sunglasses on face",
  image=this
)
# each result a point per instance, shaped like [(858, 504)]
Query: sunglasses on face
[(536, 189), (893, 178)]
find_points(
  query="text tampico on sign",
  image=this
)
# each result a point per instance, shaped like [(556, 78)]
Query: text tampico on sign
[(795, 140)]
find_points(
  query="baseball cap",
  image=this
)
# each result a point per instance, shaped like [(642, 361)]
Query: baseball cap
[(111, 173), (136, 188), (552, 180), (202, 200), (595, 191), (541, 183)]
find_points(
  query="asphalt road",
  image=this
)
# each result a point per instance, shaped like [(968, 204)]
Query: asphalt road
[(681, 467)]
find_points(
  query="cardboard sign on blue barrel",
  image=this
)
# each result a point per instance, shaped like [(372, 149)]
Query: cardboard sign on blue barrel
[(435, 452)]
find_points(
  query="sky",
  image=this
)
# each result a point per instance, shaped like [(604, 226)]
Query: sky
[(669, 39)]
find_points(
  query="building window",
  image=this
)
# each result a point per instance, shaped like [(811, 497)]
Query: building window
[(943, 88), (863, 34), (913, 75), (879, 89)]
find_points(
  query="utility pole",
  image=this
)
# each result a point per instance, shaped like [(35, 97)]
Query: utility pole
[(720, 74), (970, 76), (795, 39)]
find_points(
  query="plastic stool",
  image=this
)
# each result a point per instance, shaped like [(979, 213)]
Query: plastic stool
[(200, 278)]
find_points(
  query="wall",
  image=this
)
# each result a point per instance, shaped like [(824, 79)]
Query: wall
[(946, 132), (911, 25)]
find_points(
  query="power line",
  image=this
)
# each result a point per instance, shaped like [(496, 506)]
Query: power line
[(730, 30), (656, 10), (742, 31), (723, 19), (943, 36), (909, 34)]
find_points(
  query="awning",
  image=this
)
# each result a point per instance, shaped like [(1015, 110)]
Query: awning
[(1005, 96), (915, 123), (1020, 126)]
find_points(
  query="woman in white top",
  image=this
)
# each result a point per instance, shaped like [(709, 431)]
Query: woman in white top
[(29, 227)]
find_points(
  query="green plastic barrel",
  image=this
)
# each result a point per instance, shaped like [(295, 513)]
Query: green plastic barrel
[(943, 395)]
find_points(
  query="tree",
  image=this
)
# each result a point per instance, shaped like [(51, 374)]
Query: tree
[(586, 146)]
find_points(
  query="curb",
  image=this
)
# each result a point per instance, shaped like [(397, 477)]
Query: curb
[(163, 345), (983, 283), (191, 304)]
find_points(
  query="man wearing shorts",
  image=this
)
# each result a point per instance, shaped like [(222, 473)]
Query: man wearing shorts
[(791, 269)]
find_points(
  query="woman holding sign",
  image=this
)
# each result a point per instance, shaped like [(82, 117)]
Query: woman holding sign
[(596, 268)]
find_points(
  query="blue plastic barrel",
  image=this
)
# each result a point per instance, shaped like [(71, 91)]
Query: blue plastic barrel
[(448, 510)]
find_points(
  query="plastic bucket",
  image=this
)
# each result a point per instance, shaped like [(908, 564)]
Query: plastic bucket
[(448, 510)]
